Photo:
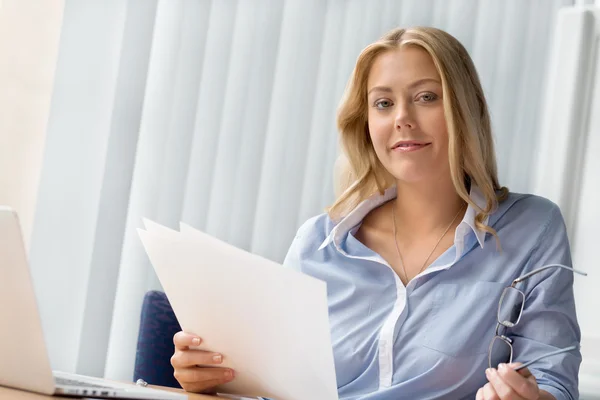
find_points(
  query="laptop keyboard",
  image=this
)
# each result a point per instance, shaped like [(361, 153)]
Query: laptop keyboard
[(71, 382)]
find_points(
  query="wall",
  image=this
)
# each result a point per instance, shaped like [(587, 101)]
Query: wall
[(29, 34)]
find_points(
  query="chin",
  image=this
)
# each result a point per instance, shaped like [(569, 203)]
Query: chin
[(409, 175), (409, 178), (410, 181)]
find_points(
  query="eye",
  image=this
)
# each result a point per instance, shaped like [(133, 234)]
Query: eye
[(428, 97), (383, 104)]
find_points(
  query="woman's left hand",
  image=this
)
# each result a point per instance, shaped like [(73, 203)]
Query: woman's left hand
[(507, 384)]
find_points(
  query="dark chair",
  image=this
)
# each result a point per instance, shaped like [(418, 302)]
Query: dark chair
[(155, 346)]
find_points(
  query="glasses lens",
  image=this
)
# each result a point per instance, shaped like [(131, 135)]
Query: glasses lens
[(510, 307), (500, 351)]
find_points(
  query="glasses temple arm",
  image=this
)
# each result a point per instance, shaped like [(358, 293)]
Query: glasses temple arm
[(528, 363), (528, 275)]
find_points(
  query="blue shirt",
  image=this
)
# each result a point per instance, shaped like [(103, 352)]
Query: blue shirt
[(429, 340)]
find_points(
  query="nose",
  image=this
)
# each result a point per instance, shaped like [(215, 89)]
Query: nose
[(404, 119)]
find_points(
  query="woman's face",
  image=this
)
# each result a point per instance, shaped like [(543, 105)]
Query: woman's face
[(406, 115)]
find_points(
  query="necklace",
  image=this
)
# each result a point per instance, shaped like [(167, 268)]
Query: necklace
[(435, 247)]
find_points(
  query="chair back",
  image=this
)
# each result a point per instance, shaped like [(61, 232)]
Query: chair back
[(155, 345)]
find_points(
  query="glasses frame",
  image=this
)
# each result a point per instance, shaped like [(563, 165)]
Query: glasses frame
[(508, 324)]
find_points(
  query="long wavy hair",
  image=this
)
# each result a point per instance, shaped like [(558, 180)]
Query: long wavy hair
[(471, 148)]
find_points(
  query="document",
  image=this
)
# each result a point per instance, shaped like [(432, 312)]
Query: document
[(270, 322)]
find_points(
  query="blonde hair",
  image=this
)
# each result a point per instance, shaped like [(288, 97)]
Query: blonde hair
[(471, 148)]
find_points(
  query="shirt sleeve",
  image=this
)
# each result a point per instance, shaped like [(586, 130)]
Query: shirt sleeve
[(308, 237), (549, 320), (292, 258)]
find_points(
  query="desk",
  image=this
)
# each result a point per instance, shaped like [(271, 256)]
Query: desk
[(14, 394)]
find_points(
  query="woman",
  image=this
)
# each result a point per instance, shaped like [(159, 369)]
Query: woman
[(418, 250)]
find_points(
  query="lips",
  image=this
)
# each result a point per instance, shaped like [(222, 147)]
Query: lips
[(409, 145)]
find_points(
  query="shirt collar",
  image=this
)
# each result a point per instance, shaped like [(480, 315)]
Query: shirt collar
[(360, 212)]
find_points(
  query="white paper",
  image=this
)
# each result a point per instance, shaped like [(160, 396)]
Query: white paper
[(270, 322)]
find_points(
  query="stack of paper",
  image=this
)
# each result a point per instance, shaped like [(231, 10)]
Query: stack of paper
[(270, 322)]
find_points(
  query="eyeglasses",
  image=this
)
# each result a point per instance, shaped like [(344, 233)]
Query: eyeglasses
[(510, 309)]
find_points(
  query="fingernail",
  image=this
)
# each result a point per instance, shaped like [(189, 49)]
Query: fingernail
[(488, 371), (218, 358), (501, 366), (196, 341), (228, 374)]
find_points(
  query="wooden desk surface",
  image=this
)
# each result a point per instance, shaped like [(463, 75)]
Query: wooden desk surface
[(14, 394)]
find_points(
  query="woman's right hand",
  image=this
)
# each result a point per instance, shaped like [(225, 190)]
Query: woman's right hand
[(191, 370)]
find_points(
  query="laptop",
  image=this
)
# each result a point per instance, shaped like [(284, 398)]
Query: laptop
[(24, 360)]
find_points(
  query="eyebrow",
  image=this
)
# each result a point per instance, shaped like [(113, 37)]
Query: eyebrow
[(416, 83)]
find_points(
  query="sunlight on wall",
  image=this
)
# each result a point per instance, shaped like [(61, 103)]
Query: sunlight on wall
[(29, 33)]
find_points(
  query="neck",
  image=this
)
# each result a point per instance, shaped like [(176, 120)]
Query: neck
[(424, 208)]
